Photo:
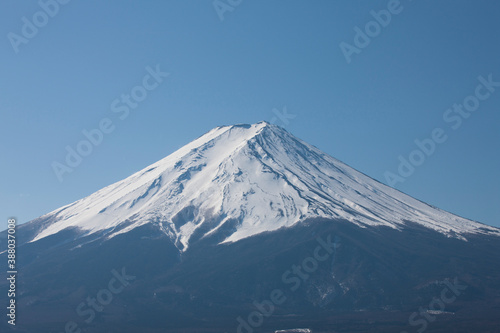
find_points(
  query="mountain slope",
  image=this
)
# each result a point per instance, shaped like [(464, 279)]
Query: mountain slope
[(243, 180)]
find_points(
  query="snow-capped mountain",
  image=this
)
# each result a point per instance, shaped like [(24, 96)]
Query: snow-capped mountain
[(209, 235), (256, 178)]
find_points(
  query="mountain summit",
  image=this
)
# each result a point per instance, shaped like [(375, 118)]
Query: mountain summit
[(238, 181)]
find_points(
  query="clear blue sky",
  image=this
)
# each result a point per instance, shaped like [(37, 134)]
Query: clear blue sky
[(264, 55)]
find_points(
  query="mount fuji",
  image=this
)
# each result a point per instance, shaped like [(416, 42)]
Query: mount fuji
[(256, 178), (212, 229)]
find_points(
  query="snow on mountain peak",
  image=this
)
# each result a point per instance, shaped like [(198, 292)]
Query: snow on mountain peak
[(242, 180)]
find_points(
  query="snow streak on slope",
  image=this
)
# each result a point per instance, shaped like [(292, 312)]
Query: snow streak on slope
[(258, 175)]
